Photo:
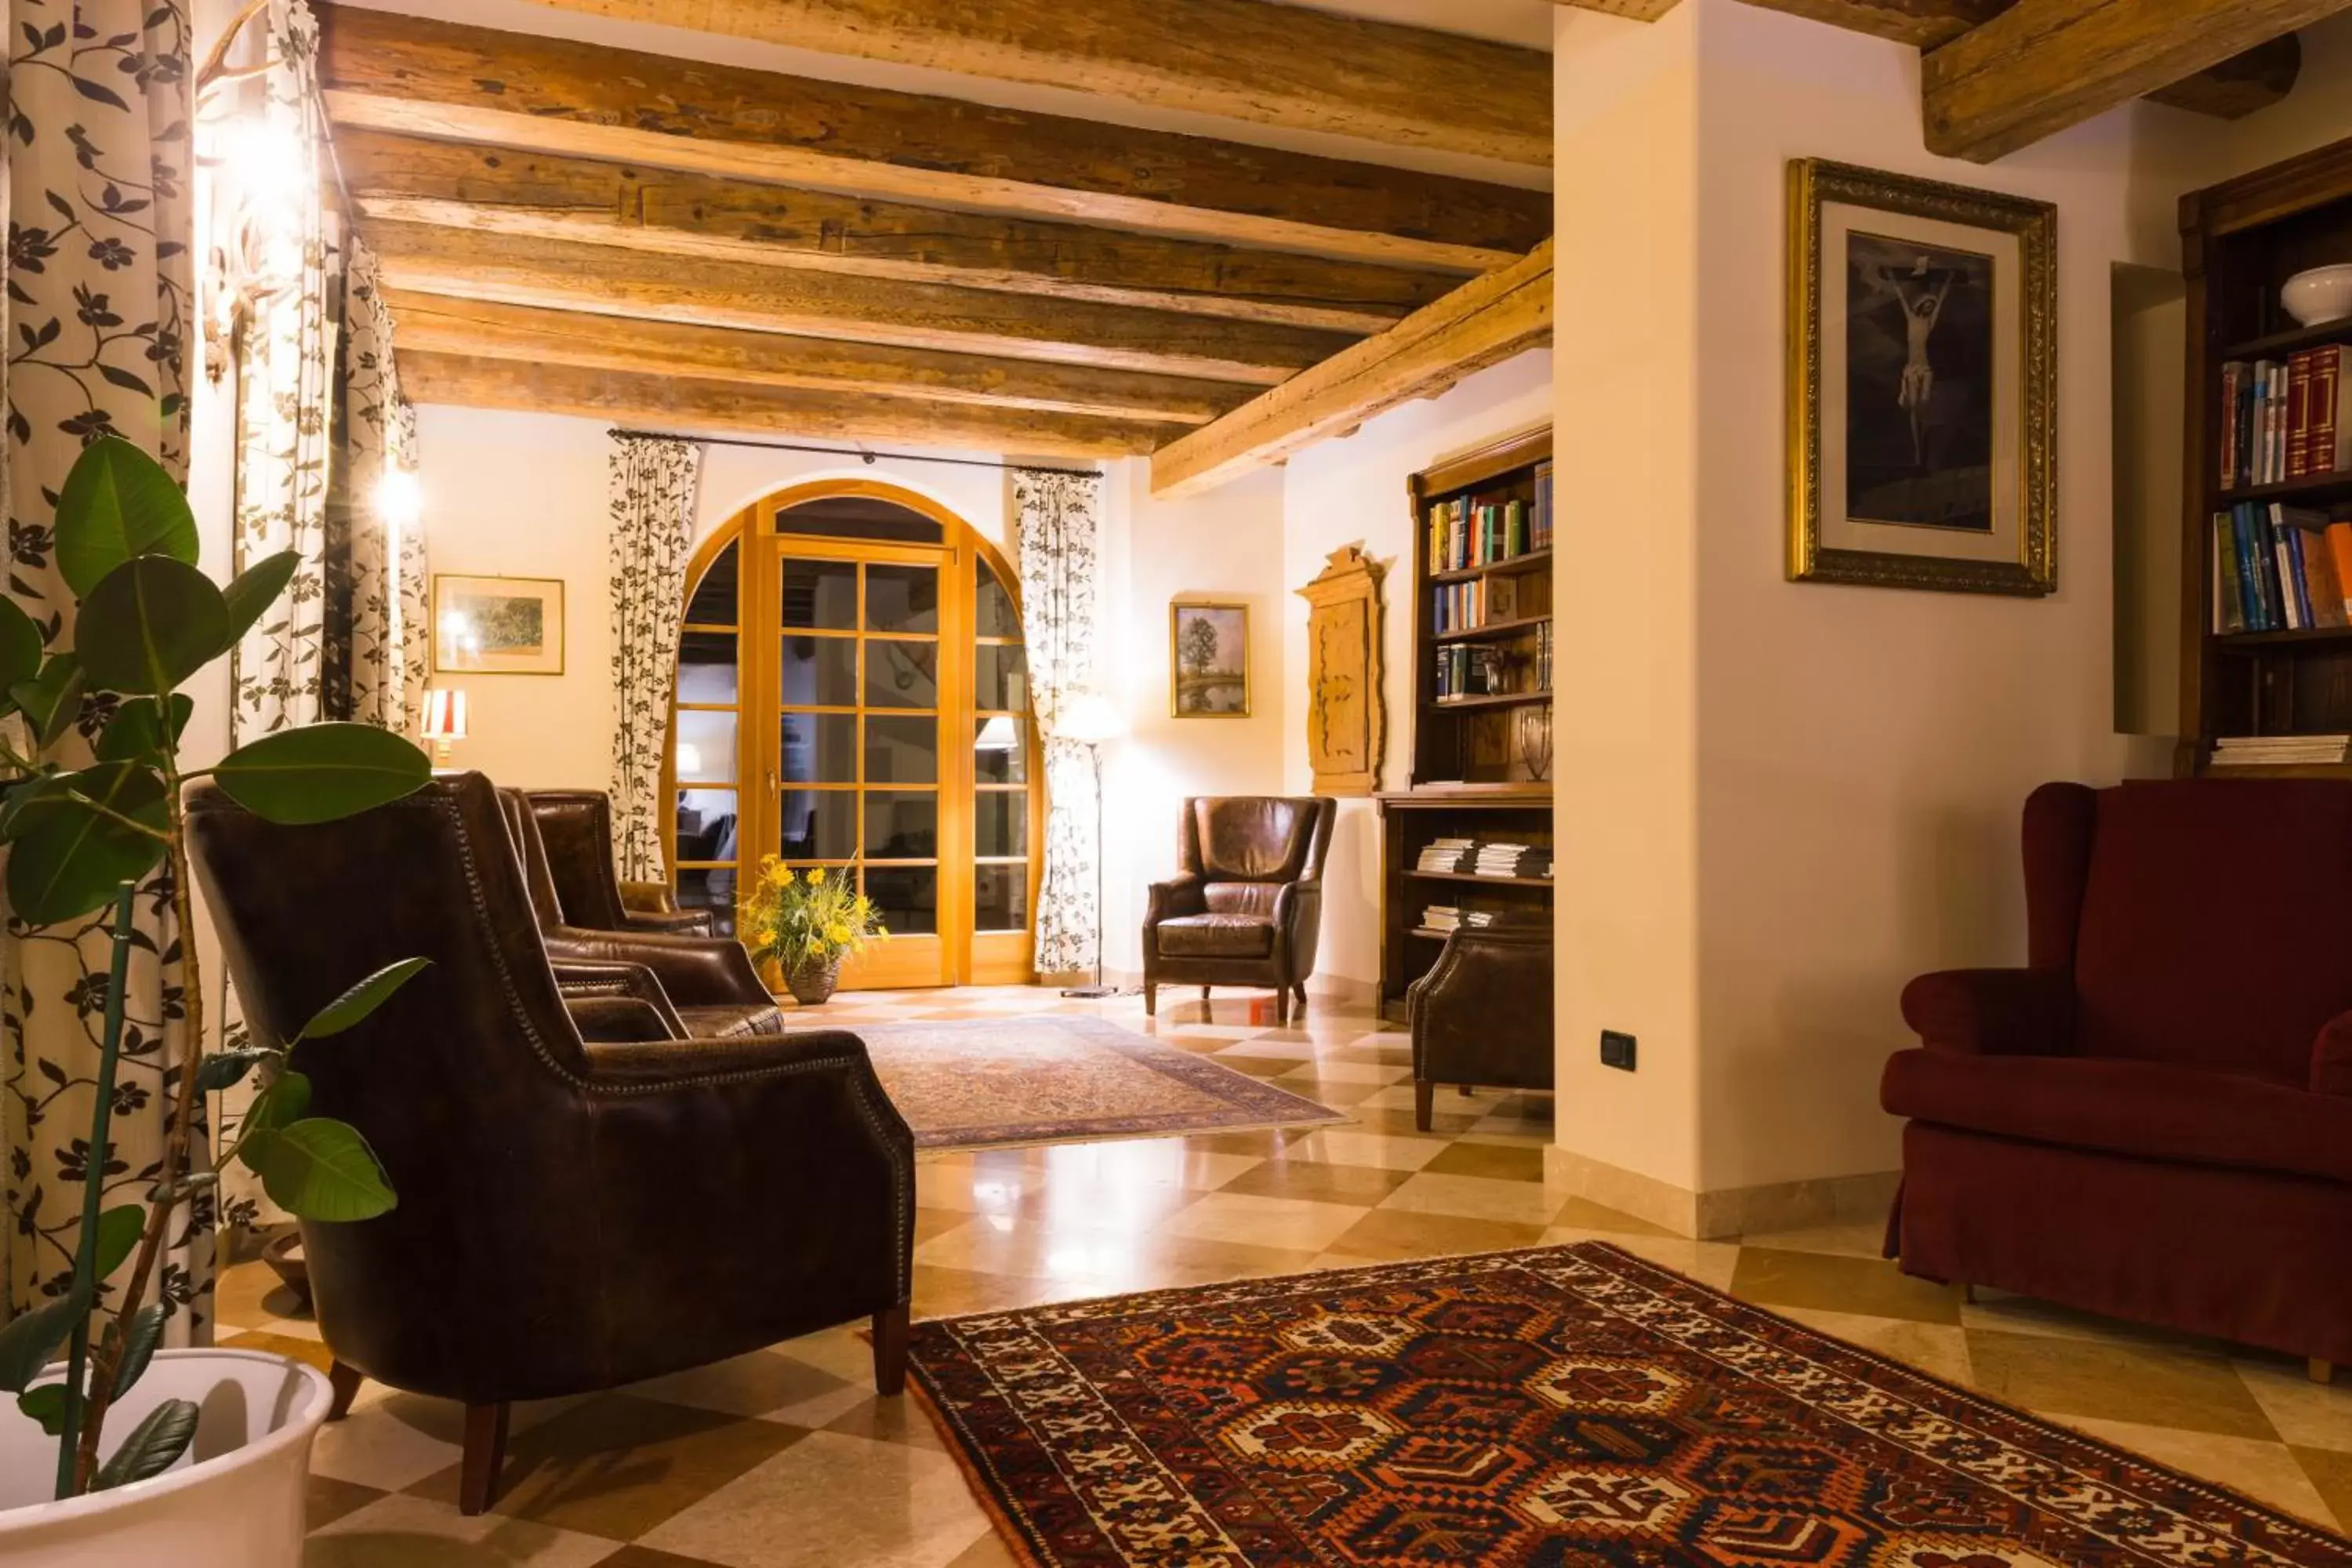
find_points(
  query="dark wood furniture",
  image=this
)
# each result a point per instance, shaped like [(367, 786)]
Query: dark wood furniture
[(2239, 241), (1246, 902), (1482, 1015)]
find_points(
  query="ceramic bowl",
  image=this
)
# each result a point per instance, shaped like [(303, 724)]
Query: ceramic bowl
[(2320, 296)]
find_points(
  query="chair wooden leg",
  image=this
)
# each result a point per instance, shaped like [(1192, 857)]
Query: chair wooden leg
[(1423, 1091), (1204, 994), (1282, 1006), (2322, 1371), (891, 1351), (1302, 998), (346, 1380), (1151, 1000), (1967, 1293), (486, 1455)]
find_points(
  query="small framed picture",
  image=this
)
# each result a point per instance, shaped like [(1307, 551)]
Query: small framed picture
[(1922, 384), (497, 626), (1208, 661)]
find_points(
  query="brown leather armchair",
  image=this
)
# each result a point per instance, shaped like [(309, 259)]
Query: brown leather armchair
[(576, 827), (709, 980), (1247, 902), (572, 1216), (1483, 1014)]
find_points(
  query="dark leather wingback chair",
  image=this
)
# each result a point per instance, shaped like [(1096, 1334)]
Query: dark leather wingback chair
[(572, 1216), (710, 980), (1482, 1014), (576, 827), (1246, 903)]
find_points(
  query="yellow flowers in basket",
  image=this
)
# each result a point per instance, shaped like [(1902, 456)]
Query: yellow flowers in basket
[(805, 920)]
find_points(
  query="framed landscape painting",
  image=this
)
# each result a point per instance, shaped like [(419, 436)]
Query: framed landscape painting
[(1208, 661), (497, 626), (1922, 384)]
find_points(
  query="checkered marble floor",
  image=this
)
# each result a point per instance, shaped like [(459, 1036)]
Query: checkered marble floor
[(785, 1457)]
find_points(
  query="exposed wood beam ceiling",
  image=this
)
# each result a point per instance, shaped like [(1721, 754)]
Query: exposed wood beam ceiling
[(1483, 322), (1241, 59), (2044, 65)]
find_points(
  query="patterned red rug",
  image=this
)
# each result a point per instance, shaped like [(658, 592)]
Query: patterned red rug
[(1570, 1406)]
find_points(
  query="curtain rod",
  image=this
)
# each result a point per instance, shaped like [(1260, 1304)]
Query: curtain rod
[(870, 457)]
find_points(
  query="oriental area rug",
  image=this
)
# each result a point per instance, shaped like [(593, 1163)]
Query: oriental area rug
[(1002, 1083), (1567, 1406)]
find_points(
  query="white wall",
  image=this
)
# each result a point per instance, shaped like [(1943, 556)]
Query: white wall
[(1352, 491)]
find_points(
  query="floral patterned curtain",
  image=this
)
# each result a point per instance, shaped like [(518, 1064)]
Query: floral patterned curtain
[(98, 271), (1060, 524), (378, 636), (651, 510)]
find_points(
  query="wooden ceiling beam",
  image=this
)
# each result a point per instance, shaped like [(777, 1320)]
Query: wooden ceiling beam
[(2044, 65), (440, 79), (699, 217), (691, 404), (601, 280), (432, 324), (1483, 322), (1279, 65)]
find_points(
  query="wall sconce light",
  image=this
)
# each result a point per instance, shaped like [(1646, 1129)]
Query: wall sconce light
[(445, 722), (399, 499)]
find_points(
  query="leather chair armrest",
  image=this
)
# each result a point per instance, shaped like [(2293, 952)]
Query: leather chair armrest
[(649, 898), (1993, 1012), (617, 1018), (695, 972), (1178, 895), (671, 922), (583, 981), (2331, 1058)]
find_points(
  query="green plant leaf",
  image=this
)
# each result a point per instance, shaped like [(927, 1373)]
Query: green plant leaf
[(322, 1169), (119, 1230), (321, 772), (136, 732), (68, 858), (148, 625), (151, 1446), (20, 646), (117, 502), (52, 699), (139, 1342), (222, 1068), (353, 1006), (46, 1404), (256, 589), (29, 1341), (286, 1100)]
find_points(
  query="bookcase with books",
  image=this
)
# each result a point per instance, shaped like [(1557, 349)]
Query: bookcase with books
[(2266, 657), (1469, 844)]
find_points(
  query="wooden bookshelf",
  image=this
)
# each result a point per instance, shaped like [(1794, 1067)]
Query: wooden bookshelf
[(1481, 756), (2240, 242)]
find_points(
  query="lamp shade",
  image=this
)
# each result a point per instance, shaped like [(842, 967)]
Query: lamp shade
[(1089, 717), (997, 734), (445, 715)]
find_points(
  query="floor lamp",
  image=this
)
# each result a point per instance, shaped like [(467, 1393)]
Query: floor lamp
[(1089, 718)]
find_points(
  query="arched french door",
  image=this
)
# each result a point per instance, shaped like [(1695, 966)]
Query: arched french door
[(853, 693)]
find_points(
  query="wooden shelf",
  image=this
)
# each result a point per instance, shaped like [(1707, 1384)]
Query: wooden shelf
[(2289, 342), (2227, 641), (1509, 566), (1493, 630), (1475, 877), (1498, 699), (2276, 771), (1523, 795), (2337, 486)]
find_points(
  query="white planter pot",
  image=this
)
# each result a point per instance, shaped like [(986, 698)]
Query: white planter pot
[(234, 1500)]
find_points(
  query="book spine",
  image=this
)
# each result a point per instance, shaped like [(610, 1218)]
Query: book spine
[(2328, 445), (2298, 413), (2231, 613), (2249, 576), (2282, 563), (2339, 550), (2296, 589), (2267, 562), (2232, 374)]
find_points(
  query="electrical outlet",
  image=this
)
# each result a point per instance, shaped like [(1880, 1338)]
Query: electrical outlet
[(1616, 1050)]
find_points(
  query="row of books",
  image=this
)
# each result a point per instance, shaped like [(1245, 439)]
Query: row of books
[(1468, 856), (2287, 420), (2281, 751), (1445, 853), (2280, 568), (1466, 532), (1448, 917), (1465, 606)]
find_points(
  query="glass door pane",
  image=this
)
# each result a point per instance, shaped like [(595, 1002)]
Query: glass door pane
[(1000, 760)]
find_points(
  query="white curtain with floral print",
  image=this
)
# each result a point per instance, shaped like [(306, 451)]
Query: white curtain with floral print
[(98, 163), (653, 480), (1060, 516), (380, 637)]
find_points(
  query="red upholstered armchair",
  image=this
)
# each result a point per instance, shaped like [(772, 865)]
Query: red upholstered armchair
[(2153, 1119)]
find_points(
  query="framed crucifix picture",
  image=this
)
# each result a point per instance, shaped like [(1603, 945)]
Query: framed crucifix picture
[(1922, 384)]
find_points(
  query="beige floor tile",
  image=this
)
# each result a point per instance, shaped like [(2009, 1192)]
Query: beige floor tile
[(1336, 1094), (1399, 1121), (1387, 1235), (1867, 1239), (952, 1292), (1941, 1350), (987, 1552), (1511, 1162), (402, 1531), (2266, 1471), (1364, 1186), (828, 1502), (1289, 1225), (2027, 1315), (2330, 1470), (1771, 1278), (1476, 1197), (759, 1384), (1339, 1146), (1583, 1214), (2307, 1414), (1710, 1263), (381, 1445), (326, 1500), (2146, 1384), (1332, 1069)]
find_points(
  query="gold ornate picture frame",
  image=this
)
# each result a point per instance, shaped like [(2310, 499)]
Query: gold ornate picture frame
[(1208, 660), (496, 626), (1923, 371), (1346, 721)]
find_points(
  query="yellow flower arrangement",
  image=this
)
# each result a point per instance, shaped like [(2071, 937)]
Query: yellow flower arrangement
[(806, 918)]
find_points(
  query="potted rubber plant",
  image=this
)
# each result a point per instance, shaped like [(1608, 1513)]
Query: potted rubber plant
[(799, 926), (112, 1449)]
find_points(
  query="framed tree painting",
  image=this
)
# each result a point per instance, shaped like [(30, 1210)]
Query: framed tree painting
[(1922, 384), (1208, 660), (497, 626)]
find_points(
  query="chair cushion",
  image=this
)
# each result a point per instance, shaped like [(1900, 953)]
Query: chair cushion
[(1216, 935), (2148, 1110), (723, 1023), (1255, 899)]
